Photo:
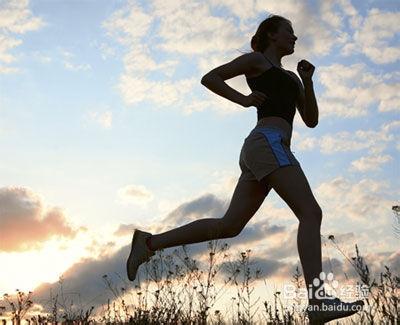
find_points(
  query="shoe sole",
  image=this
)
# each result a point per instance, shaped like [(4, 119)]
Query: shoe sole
[(328, 319), (132, 276)]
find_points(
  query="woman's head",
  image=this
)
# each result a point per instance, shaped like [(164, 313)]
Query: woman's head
[(275, 30)]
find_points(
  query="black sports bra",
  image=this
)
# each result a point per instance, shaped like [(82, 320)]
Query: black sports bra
[(281, 89)]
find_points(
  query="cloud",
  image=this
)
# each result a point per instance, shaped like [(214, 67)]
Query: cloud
[(69, 65), (137, 194), (26, 224), (344, 141), (394, 262), (192, 28), (306, 143), (350, 90), (15, 18), (86, 277), (130, 26), (391, 125), (124, 230), (268, 267), (41, 57), (77, 67), (102, 118), (277, 260), (7, 43), (361, 202), (182, 28), (375, 262), (319, 27), (283, 245), (373, 37), (210, 206), (369, 163), (334, 260), (105, 49), (205, 206)]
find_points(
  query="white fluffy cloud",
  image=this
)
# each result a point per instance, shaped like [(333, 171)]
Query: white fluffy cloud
[(344, 141), (363, 201), (350, 91), (15, 18), (374, 35), (191, 28), (137, 194), (369, 163)]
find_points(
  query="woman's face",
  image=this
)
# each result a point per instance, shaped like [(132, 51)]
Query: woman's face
[(285, 38)]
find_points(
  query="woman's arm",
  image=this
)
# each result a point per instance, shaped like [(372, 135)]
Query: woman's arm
[(311, 107), (217, 85), (215, 79), (306, 102)]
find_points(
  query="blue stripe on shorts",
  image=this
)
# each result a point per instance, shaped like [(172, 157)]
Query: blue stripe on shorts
[(274, 139)]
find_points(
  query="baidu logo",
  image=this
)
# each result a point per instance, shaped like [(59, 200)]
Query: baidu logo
[(323, 278), (325, 287)]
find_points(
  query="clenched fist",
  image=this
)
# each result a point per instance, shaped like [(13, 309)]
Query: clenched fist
[(305, 70)]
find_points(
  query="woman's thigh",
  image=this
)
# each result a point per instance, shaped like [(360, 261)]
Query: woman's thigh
[(292, 186), (246, 200)]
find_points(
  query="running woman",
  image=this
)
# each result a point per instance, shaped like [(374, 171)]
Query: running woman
[(266, 162)]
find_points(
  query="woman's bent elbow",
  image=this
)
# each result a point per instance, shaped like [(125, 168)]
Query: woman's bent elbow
[(205, 79), (312, 124)]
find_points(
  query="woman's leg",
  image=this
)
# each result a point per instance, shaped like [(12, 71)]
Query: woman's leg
[(246, 199), (292, 186)]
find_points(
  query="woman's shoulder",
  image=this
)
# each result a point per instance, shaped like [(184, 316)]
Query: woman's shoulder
[(246, 64), (258, 58), (294, 76), (257, 63), (255, 58)]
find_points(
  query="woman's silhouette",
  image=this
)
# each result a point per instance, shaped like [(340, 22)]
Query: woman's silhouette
[(265, 160)]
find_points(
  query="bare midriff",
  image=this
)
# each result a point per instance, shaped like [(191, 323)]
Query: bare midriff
[(276, 121)]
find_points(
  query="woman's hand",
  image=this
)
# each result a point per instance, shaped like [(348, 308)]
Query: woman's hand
[(256, 98), (305, 70)]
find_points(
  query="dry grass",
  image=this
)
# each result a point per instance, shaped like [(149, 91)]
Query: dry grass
[(176, 291)]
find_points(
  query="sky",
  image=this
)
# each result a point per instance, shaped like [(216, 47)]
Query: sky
[(105, 127)]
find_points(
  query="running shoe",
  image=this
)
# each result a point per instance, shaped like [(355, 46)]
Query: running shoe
[(331, 309), (139, 254)]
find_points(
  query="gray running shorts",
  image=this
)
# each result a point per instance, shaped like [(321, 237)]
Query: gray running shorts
[(264, 150)]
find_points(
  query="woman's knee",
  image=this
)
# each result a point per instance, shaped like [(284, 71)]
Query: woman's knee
[(310, 214), (292, 186), (318, 214), (229, 229), (246, 200)]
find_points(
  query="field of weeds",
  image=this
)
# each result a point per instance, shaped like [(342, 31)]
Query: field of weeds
[(176, 291)]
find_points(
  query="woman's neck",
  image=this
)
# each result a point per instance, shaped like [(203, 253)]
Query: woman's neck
[(273, 57)]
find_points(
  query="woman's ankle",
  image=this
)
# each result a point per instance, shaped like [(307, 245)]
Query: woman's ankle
[(317, 299), (148, 244)]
